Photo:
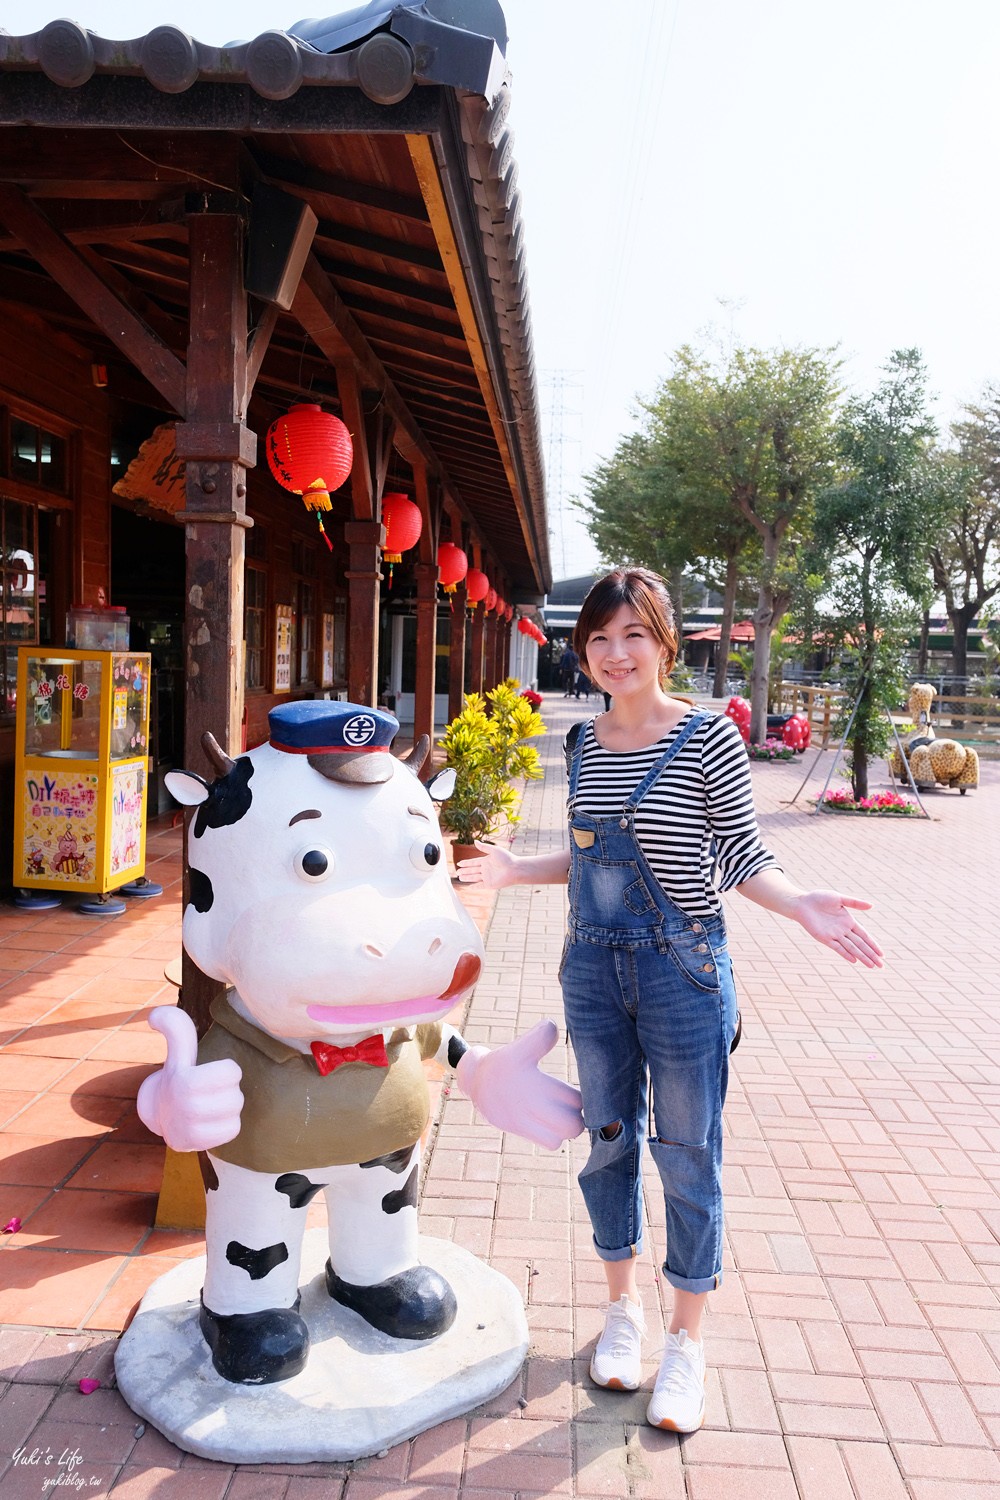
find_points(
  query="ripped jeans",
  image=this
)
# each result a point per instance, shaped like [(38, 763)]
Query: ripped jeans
[(638, 1015)]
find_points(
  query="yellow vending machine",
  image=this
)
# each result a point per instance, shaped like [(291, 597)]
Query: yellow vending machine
[(82, 773)]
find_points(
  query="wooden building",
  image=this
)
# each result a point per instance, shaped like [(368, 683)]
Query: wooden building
[(195, 239)]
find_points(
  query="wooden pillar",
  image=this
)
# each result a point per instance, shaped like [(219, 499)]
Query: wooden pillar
[(476, 664), (218, 449), (505, 629), (426, 574), (364, 542), (456, 651), (490, 651)]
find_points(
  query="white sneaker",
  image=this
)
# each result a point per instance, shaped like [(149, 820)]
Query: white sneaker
[(617, 1360), (678, 1401)]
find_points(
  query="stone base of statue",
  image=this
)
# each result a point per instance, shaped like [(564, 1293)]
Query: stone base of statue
[(360, 1392)]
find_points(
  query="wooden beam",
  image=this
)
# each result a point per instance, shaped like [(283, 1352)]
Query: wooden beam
[(322, 187), (112, 316)]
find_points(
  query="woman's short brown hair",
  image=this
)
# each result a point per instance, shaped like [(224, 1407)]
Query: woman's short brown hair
[(643, 591)]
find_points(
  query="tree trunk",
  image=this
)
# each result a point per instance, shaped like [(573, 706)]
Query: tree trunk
[(763, 621), (726, 627), (961, 619), (925, 637), (677, 600)]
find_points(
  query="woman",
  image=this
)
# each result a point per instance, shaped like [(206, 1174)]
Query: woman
[(661, 818)]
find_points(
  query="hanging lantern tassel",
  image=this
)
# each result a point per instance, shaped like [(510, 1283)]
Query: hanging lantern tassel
[(322, 531)]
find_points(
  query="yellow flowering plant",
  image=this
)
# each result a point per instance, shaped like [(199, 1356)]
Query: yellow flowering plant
[(485, 746)]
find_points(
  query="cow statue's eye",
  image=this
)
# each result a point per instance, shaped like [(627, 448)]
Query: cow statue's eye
[(314, 863), (424, 855)]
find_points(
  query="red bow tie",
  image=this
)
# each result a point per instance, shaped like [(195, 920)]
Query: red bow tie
[(371, 1050)]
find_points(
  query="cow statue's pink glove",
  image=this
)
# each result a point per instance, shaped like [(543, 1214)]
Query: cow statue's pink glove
[(193, 1106), (510, 1090)]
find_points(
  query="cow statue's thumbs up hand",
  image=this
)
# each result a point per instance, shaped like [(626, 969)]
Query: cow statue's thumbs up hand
[(510, 1090), (193, 1106)]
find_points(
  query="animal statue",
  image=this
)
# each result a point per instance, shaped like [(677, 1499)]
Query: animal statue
[(933, 762), (319, 892)]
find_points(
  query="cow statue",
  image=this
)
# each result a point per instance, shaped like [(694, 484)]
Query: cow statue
[(319, 892)]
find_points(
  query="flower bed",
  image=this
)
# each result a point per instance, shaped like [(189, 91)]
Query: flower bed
[(881, 804), (771, 750)]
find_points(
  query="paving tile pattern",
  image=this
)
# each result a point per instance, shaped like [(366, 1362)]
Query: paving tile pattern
[(854, 1348)]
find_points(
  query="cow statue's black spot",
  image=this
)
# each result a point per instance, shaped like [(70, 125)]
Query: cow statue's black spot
[(256, 1263), (396, 1161), (229, 798), (299, 1189), (405, 1197), (200, 887)]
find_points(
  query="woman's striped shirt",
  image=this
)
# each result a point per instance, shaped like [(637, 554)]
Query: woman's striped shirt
[(696, 825)]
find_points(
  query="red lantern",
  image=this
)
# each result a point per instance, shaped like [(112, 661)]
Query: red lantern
[(453, 565), (524, 626), (403, 524), (477, 585), (309, 452), (490, 601), (508, 613)]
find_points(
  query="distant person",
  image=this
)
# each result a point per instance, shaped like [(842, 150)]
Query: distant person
[(568, 663), (583, 684)]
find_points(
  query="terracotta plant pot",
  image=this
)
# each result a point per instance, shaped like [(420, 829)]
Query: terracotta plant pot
[(464, 851)]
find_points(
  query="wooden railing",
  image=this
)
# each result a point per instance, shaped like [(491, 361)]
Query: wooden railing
[(953, 715)]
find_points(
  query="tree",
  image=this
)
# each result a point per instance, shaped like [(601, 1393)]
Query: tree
[(875, 526), (756, 429), (965, 558), (643, 512)]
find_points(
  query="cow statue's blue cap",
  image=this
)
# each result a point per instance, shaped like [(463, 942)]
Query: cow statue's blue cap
[(344, 741)]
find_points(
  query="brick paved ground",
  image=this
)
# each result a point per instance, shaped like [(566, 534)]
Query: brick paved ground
[(855, 1346)]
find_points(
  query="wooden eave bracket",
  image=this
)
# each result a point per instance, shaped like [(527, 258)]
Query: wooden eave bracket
[(116, 320)]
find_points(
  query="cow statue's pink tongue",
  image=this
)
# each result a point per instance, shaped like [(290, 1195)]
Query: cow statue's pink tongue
[(467, 971)]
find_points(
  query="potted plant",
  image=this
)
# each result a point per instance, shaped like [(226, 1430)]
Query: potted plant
[(485, 747)]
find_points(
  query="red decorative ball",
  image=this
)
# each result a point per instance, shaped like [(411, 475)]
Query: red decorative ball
[(403, 524), (797, 733), (477, 585), (453, 565), (309, 452), (738, 709)]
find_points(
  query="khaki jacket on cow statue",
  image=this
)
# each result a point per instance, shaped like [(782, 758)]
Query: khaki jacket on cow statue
[(319, 894), (934, 762)]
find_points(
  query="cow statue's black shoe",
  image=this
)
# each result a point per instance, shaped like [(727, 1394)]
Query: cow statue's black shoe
[(415, 1304), (257, 1348)]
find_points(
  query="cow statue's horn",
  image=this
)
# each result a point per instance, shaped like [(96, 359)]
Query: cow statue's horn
[(217, 758), (417, 754)]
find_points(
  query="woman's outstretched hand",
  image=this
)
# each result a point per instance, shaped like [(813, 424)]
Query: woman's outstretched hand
[(828, 918), (497, 868)]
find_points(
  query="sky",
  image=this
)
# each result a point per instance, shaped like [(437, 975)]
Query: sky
[(793, 172)]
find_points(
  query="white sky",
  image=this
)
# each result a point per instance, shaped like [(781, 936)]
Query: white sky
[(792, 171)]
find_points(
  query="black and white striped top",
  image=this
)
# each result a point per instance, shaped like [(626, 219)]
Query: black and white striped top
[(703, 795)]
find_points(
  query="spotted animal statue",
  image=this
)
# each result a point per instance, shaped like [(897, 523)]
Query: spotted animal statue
[(933, 762), (319, 895)]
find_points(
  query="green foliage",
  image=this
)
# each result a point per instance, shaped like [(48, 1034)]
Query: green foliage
[(876, 525), (485, 746), (965, 555)]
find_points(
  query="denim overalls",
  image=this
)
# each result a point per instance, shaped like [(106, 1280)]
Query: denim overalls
[(647, 989)]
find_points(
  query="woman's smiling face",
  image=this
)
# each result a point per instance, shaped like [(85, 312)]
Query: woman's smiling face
[(624, 656)]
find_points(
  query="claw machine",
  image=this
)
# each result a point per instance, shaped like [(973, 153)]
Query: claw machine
[(81, 775)]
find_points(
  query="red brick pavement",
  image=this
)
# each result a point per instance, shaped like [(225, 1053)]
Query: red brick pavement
[(854, 1348)]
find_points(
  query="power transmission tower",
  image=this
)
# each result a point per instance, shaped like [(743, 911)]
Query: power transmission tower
[(562, 414)]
